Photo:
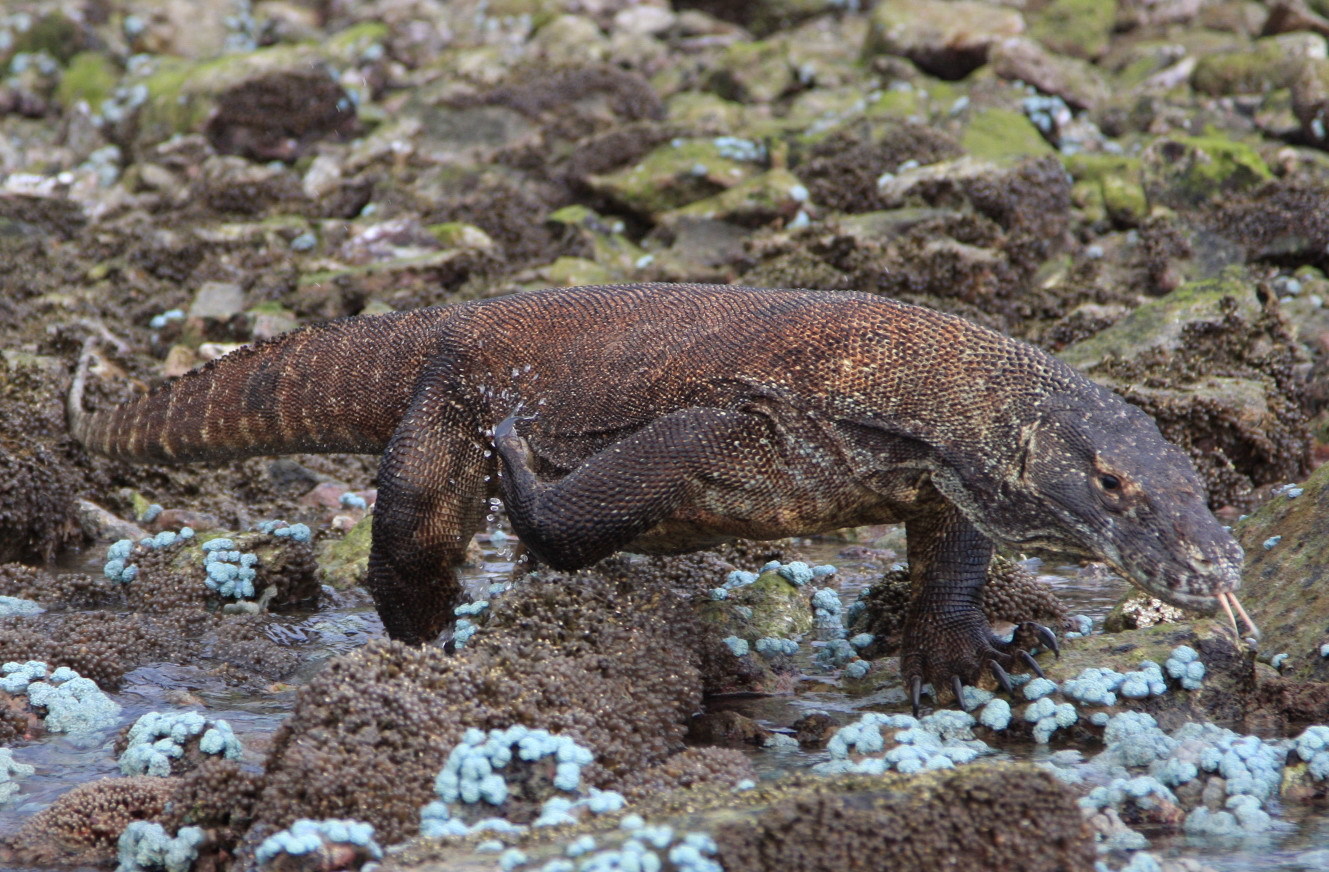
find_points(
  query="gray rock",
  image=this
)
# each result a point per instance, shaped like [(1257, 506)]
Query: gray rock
[(946, 39)]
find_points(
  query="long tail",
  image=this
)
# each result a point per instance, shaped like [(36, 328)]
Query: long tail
[(341, 386)]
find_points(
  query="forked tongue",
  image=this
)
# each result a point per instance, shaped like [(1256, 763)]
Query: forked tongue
[(1230, 601)]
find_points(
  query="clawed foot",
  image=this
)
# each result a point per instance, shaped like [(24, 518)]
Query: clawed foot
[(960, 652)]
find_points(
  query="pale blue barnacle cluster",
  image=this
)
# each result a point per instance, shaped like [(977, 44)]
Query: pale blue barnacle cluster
[(465, 628), (73, 704), (119, 566), (283, 530), (10, 772), (774, 646), (313, 837), (1312, 746), (643, 848), (230, 571), (1140, 792), (145, 847), (1048, 716), (1243, 773), (941, 740), (477, 772), (12, 605), (157, 738), (1184, 665)]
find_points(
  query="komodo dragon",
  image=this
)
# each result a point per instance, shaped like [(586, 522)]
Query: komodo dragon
[(669, 418)]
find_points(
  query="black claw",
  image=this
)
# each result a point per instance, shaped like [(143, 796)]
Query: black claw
[(1049, 639), (1002, 677), (1032, 663), (957, 687), (916, 694)]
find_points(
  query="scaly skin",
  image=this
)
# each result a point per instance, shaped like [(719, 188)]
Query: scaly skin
[(667, 418)]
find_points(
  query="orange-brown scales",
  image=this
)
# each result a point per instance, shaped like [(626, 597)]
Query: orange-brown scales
[(668, 418)]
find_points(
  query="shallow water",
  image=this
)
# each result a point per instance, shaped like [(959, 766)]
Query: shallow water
[(62, 764)]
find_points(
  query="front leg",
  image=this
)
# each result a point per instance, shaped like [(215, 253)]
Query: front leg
[(946, 638), (625, 489)]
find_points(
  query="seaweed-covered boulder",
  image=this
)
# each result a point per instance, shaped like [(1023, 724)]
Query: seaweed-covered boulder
[(1213, 363)]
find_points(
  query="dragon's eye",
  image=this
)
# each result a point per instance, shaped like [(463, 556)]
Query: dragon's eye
[(1109, 482)]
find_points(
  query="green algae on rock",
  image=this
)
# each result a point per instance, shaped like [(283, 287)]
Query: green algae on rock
[(1286, 586), (1212, 363), (1184, 172)]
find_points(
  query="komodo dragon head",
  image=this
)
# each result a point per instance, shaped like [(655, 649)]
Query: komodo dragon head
[(1094, 479)]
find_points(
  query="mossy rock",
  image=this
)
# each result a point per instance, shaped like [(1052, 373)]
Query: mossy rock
[(1184, 172), (90, 77), (54, 33), (288, 88), (673, 175), (569, 272), (1286, 580), (770, 606), (754, 72), (1079, 28), (1269, 64), (1111, 183), (1159, 325), (613, 250), (758, 201), (344, 563), (1003, 135)]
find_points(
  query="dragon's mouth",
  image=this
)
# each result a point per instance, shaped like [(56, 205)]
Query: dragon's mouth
[(1209, 603)]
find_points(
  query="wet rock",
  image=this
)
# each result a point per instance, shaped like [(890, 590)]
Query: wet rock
[(237, 186), (1138, 610), (100, 525), (1289, 16), (848, 169), (38, 515), (726, 728), (190, 30), (946, 39)]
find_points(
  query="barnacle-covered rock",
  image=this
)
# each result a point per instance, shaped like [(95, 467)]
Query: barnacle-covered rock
[(84, 825), (172, 743), (612, 665)]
